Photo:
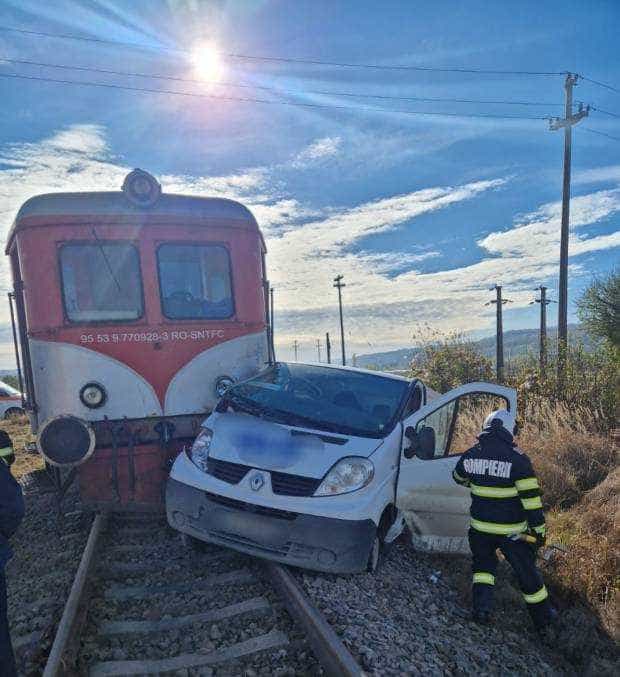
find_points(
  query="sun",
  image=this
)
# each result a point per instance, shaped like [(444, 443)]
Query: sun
[(207, 62)]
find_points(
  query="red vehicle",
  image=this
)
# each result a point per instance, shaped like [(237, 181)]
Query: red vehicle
[(134, 311)]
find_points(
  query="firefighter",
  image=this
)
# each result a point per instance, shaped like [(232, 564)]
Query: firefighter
[(506, 513), (11, 514)]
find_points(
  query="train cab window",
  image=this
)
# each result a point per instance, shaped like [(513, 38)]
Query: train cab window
[(195, 281), (101, 282)]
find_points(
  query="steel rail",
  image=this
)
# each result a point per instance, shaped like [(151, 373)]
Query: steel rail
[(327, 646), (55, 661)]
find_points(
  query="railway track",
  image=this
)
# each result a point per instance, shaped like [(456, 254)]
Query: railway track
[(141, 603)]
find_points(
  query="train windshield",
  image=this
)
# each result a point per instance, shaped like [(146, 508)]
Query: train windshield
[(101, 282), (195, 281)]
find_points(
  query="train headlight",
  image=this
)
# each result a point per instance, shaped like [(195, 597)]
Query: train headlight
[(222, 384), (93, 395), (141, 188), (199, 453), (349, 474), (66, 441)]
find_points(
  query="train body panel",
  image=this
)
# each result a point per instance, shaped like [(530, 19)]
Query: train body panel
[(132, 309)]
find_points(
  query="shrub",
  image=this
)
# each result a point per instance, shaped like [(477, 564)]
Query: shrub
[(446, 362)]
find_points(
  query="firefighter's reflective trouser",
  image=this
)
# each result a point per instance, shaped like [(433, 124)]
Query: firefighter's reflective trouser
[(7, 660), (522, 558)]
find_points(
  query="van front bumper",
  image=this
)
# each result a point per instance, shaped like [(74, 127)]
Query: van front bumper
[(320, 543)]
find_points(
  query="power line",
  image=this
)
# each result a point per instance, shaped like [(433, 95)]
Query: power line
[(301, 104), (280, 59), (158, 76), (600, 84), (596, 131), (606, 112)]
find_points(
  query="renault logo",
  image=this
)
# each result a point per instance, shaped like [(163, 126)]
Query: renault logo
[(257, 481)]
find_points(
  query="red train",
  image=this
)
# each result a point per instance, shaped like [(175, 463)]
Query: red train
[(133, 311)]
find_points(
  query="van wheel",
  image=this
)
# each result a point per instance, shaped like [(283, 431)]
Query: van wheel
[(13, 412), (374, 557)]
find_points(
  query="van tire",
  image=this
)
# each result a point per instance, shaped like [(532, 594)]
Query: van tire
[(375, 555), (13, 412)]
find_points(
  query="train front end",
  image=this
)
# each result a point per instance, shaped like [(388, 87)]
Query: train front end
[(133, 311)]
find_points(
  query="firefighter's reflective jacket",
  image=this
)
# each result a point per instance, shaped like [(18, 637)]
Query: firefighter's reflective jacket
[(11, 505), (506, 497)]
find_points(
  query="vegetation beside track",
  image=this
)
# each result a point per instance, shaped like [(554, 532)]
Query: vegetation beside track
[(569, 432)]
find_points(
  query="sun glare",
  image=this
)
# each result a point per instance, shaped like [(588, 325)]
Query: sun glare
[(207, 62)]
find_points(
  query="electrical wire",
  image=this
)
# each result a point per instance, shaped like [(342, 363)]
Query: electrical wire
[(606, 112), (600, 84), (157, 76), (266, 101), (596, 131), (279, 59)]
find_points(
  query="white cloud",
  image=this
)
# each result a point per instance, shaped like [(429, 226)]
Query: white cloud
[(608, 174), (320, 149), (386, 294)]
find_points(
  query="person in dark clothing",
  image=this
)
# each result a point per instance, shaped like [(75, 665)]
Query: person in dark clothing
[(506, 513), (11, 514)]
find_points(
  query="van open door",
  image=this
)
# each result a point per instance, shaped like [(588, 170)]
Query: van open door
[(435, 507)]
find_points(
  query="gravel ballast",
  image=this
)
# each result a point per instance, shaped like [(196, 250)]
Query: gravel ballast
[(412, 617), (409, 618)]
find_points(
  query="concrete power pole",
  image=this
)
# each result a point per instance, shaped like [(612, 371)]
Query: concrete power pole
[(499, 359), (339, 285), (273, 345), (295, 348), (328, 348), (544, 302), (567, 123), (318, 348)]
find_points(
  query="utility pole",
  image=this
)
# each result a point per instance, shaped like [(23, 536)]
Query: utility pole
[(499, 359), (273, 345), (339, 285), (544, 302), (567, 123), (295, 348), (318, 348), (328, 348)]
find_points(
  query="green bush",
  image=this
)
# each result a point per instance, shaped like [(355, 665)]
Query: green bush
[(445, 362)]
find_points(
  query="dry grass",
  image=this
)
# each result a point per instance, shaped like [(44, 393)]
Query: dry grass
[(580, 478), (25, 461)]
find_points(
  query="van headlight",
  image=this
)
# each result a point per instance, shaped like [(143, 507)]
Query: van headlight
[(199, 453), (349, 474)]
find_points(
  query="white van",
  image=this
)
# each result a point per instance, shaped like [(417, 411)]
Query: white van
[(319, 466)]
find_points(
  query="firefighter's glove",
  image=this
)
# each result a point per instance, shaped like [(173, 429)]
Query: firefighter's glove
[(540, 536)]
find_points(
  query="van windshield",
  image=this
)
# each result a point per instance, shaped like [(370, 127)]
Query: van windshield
[(324, 398)]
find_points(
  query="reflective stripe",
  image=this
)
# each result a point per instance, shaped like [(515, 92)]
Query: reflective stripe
[(536, 597), (458, 477), (532, 503), (527, 483), (6, 451), (494, 492), (483, 577), (495, 528), (542, 529)]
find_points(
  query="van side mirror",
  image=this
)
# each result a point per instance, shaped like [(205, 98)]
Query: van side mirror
[(426, 443), (412, 436), (422, 443)]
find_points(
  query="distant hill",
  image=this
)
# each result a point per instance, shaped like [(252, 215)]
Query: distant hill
[(517, 342)]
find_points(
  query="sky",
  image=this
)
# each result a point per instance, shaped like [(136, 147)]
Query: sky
[(422, 206)]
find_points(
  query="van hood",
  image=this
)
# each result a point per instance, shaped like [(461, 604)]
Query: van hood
[(251, 441)]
